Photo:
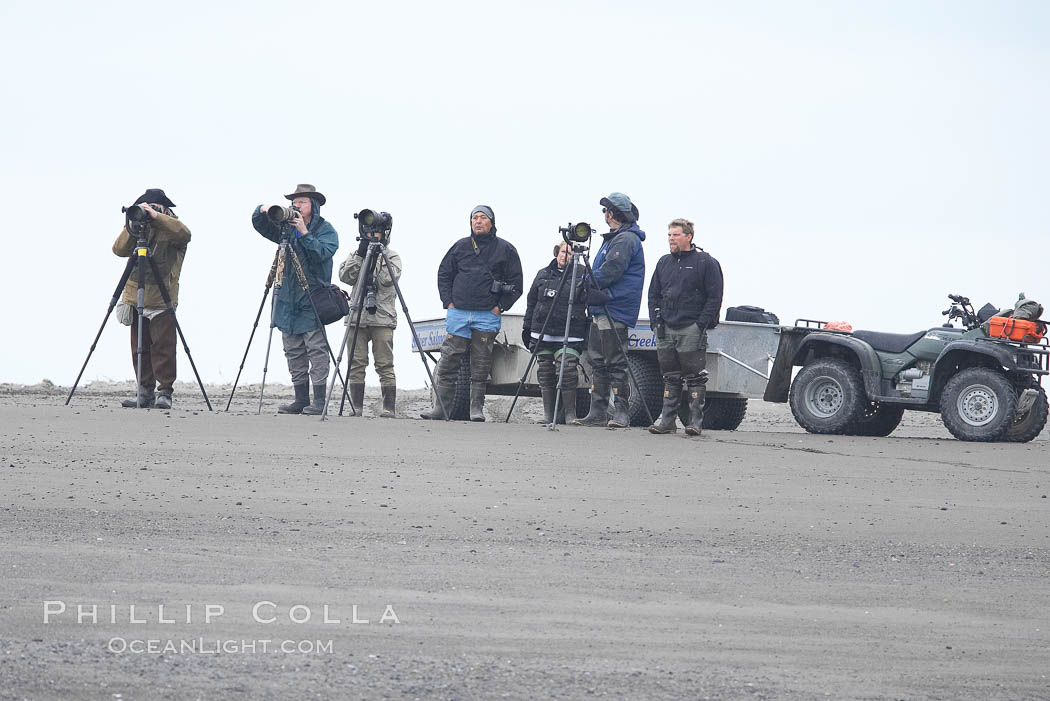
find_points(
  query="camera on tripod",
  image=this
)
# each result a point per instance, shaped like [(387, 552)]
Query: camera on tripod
[(136, 213), (576, 233), (280, 215), (371, 222)]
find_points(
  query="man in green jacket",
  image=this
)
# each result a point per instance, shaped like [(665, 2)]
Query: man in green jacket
[(305, 345), (167, 238)]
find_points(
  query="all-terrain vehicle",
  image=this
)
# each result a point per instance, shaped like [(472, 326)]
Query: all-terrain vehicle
[(860, 382)]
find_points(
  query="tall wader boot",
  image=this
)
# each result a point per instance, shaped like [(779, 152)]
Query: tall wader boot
[(598, 415), (547, 377), (621, 414), (357, 396), (389, 400), (567, 408), (452, 352), (694, 367), (481, 344), (672, 398), (302, 398), (317, 408)]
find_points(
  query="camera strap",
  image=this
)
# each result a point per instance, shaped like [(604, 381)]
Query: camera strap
[(484, 263)]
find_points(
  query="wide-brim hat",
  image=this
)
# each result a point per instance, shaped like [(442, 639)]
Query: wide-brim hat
[(154, 195), (306, 190), (622, 204)]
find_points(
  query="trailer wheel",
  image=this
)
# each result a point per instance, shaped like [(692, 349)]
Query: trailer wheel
[(827, 397), (650, 387), (1025, 428), (978, 404), (461, 404), (723, 413), (878, 420)]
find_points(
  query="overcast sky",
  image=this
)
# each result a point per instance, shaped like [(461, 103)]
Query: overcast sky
[(843, 160)]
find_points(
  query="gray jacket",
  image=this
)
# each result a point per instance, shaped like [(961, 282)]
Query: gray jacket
[(386, 295)]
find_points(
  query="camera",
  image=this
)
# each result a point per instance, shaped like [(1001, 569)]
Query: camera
[(499, 287), (371, 222), (576, 233), (370, 300), (659, 326), (280, 215)]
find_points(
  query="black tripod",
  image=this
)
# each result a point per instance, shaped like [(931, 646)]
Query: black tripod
[(275, 279), (364, 297), (572, 235), (137, 223)]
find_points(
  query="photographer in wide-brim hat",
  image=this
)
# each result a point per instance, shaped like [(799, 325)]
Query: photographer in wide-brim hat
[(315, 242), (168, 238), (615, 297)]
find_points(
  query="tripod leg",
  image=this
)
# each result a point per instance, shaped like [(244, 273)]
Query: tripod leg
[(245, 357), (305, 285), (415, 336), (167, 301), (112, 303), (532, 359), (355, 304), (565, 346), (269, 342)]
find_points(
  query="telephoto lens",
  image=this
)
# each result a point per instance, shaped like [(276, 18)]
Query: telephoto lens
[(279, 214)]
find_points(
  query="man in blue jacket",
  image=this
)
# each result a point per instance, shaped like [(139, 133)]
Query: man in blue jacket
[(305, 345), (615, 298)]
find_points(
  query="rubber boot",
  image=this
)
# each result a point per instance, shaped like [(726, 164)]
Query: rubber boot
[(302, 398), (357, 397), (317, 407), (143, 397), (697, 396), (599, 411), (452, 352), (477, 402), (389, 400), (163, 399), (447, 394), (621, 416), (550, 396), (567, 409), (546, 377), (669, 413)]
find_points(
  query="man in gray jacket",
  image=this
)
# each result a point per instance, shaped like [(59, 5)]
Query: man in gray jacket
[(377, 327)]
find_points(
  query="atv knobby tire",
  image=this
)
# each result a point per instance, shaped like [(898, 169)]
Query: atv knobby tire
[(461, 404), (1029, 425), (649, 388), (978, 404), (827, 396), (878, 420)]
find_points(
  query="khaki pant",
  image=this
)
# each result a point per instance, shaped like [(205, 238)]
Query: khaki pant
[(382, 340)]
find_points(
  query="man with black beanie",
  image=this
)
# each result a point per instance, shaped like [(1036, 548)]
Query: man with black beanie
[(478, 279)]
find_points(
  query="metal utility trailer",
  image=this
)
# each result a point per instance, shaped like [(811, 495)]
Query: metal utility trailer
[(738, 360)]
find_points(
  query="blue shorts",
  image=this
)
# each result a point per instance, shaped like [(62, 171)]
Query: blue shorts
[(460, 323)]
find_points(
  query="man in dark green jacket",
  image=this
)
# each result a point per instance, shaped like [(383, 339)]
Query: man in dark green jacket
[(305, 345)]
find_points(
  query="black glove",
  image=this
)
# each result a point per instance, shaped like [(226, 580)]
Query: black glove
[(526, 337), (362, 248), (596, 295)]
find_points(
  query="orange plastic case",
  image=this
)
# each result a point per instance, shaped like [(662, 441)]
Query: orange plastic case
[(1016, 329)]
